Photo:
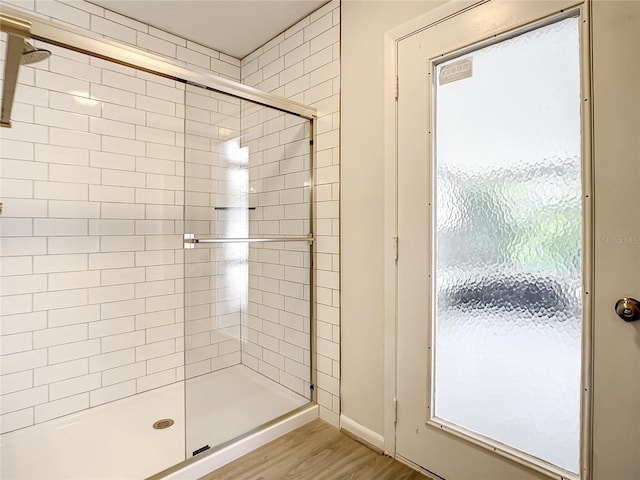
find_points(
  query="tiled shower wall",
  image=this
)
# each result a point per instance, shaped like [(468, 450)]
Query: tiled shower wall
[(303, 64), (91, 273), (91, 251)]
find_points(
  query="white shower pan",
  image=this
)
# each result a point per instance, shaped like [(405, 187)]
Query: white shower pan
[(118, 441)]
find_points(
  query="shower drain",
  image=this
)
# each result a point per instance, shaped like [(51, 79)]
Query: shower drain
[(162, 424)]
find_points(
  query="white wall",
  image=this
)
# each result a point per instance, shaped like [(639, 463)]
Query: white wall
[(362, 202)]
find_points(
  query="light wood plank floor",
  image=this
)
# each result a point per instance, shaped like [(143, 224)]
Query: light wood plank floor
[(316, 451)]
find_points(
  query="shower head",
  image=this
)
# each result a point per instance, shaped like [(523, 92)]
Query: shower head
[(31, 54)]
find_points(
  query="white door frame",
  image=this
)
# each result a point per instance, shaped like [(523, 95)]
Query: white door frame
[(392, 247), (391, 202)]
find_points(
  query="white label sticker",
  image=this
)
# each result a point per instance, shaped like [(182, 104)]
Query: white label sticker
[(456, 71)]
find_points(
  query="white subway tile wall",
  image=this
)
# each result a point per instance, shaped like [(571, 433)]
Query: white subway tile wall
[(303, 64), (91, 258), (81, 254)]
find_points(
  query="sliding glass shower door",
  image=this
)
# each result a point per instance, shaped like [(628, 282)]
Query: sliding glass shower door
[(155, 261), (102, 173), (247, 256)]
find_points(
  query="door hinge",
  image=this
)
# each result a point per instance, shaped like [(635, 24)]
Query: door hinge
[(395, 410), (397, 87), (395, 248)]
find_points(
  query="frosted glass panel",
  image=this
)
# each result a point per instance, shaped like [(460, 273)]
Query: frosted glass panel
[(508, 237)]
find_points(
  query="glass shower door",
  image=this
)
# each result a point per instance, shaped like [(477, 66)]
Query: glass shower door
[(247, 266)]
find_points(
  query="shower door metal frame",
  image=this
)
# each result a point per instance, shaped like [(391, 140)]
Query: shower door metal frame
[(20, 25), (24, 25)]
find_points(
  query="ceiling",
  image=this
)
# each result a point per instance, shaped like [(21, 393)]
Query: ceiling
[(234, 27)]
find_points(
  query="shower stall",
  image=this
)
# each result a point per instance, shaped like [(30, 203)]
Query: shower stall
[(156, 252)]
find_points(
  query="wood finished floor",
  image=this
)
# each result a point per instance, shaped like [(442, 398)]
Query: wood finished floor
[(316, 451)]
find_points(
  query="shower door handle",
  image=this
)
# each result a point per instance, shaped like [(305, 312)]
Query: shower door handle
[(190, 240)]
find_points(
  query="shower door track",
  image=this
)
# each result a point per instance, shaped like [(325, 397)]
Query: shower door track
[(19, 25)]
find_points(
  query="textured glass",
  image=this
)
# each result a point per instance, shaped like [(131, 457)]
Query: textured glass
[(508, 237)]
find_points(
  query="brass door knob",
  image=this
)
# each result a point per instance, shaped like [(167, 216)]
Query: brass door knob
[(628, 309)]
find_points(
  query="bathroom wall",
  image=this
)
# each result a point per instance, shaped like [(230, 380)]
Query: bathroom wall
[(362, 185), (91, 250), (303, 64)]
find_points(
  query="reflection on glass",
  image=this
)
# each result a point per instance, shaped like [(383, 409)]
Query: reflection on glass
[(508, 244), (247, 306)]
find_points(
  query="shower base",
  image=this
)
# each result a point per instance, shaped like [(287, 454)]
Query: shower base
[(116, 440), (225, 404)]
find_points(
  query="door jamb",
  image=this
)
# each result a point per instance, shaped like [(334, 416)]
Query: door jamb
[(391, 38)]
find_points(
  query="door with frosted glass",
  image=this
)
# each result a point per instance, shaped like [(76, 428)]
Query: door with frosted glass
[(494, 228)]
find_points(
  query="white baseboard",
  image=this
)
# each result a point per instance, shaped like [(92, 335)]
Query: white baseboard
[(360, 431), (232, 452)]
